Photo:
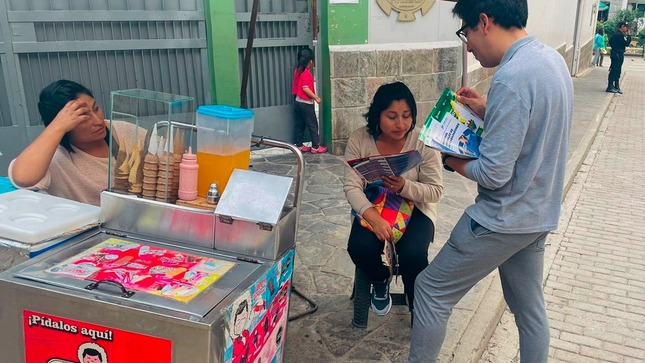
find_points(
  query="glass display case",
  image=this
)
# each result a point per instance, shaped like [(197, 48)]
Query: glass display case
[(150, 131)]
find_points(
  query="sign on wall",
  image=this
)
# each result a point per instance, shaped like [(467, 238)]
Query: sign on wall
[(406, 8)]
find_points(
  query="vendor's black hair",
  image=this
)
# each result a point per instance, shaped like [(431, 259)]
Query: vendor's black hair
[(506, 13), (54, 97), (383, 98)]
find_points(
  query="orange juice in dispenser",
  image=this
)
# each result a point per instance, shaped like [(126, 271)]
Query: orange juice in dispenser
[(223, 144)]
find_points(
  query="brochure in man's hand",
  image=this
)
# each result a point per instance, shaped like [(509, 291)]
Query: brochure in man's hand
[(452, 128), (372, 168)]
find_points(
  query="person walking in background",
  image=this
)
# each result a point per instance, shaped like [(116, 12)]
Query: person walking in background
[(618, 42), (598, 48), (390, 129), (304, 104), (520, 175), (602, 53)]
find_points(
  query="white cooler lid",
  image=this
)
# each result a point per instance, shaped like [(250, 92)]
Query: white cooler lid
[(254, 197), (31, 217)]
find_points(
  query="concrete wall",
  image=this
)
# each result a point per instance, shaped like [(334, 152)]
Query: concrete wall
[(615, 6)]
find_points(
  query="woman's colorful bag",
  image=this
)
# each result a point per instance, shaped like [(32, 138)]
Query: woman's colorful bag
[(393, 208)]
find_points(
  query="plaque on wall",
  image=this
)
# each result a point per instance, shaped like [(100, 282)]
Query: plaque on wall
[(406, 8)]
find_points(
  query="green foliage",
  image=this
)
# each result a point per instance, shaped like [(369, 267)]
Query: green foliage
[(627, 16), (600, 25)]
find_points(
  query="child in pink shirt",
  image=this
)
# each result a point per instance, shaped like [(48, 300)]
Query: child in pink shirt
[(303, 87)]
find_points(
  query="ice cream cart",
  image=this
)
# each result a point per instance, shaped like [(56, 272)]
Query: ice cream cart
[(159, 282)]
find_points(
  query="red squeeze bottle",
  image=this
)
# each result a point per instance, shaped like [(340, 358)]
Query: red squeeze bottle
[(188, 176)]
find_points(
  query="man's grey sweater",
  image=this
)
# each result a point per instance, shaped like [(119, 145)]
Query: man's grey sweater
[(521, 169)]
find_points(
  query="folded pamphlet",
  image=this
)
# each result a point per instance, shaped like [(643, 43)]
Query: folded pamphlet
[(390, 258), (372, 168), (453, 128)]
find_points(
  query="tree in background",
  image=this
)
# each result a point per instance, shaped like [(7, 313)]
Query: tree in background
[(628, 16)]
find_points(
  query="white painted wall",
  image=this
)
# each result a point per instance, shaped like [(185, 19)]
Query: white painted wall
[(437, 25), (551, 21)]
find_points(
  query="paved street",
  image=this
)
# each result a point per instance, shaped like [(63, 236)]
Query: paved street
[(324, 272), (595, 276)]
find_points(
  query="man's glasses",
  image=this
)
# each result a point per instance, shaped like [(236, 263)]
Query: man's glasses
[(462, 35)]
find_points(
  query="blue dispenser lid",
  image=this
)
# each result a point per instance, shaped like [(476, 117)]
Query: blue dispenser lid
[(225, 112)]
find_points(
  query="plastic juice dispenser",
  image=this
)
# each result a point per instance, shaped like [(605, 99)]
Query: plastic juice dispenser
[(223, 144)]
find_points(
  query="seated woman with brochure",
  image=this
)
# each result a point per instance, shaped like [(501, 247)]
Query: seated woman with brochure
[(390, 129)]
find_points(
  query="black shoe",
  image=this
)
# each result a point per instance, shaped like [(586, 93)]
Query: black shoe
[(618, 90), (381, 299), (611, 90)]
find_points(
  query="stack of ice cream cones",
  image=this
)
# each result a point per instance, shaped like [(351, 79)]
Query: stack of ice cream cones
[(178, 145), (151, 167), (165, 173)]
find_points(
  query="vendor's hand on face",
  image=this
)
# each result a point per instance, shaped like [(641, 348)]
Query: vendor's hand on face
[(393, 183), (72, 115)]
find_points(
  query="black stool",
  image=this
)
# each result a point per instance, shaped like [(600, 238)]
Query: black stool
[(361, 296)]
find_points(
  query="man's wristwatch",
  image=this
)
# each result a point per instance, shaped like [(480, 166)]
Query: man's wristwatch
[(443, 161)]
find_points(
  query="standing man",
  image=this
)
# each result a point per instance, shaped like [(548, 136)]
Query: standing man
[(520, 177), (617, 42)]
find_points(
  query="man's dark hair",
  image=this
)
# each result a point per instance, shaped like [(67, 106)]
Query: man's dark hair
[(621, 24), (383, 98), (506, 13), (54, 97), (92, 353)]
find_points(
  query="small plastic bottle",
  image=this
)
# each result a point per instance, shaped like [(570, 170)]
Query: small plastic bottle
[(188, 169)]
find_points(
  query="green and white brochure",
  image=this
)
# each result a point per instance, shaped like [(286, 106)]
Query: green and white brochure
[(452, 128)]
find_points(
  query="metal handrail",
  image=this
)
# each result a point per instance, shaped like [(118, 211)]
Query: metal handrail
[(259, 140)]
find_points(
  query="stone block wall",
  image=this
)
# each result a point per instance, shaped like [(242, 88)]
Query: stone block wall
[(357, 72), (567, 54), (586, 56)]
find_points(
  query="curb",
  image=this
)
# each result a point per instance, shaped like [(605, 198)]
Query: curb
[(578, 156), (486, 317)]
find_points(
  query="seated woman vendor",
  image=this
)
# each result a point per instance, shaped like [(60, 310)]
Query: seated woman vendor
[(69, 158)]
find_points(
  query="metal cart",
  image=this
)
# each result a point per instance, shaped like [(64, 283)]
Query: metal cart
[(50, 314)]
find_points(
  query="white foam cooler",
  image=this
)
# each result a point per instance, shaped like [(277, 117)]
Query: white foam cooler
[(31, 217), (31, 223)]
